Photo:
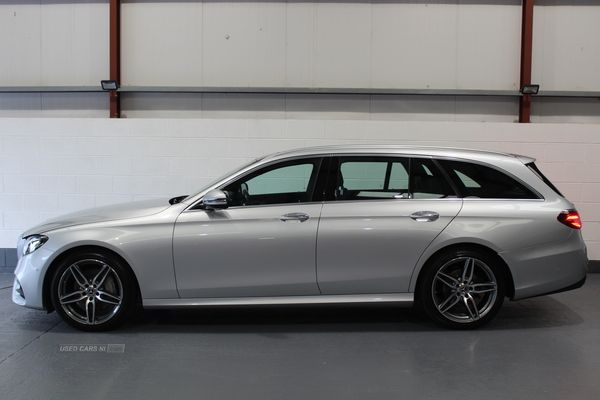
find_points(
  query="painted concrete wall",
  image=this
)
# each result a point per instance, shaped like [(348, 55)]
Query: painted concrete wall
[(54, 166)]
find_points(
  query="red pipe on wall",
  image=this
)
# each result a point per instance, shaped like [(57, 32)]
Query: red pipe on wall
[(526, 59), (115, 55)]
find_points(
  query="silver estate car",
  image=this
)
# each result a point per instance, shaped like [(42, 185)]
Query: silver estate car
[(452, 230)]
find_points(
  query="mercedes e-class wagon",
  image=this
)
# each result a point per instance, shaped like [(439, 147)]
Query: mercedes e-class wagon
[(453, 230)]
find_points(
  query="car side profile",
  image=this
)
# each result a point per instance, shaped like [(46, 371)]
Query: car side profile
[(453, 230)]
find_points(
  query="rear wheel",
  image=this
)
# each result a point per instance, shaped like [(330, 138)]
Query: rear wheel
[(462, 289), (93, 291)]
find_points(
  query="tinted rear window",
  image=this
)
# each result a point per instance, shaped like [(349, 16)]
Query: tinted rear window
[(476, 180)]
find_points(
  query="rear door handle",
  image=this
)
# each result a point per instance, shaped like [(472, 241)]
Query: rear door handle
[(425, 216), (294, 217)]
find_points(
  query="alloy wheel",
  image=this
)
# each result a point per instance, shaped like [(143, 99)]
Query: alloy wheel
[(464, 289), (90, 292)]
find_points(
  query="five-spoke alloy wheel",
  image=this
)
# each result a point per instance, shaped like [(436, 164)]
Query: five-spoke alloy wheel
[(92, 291), (462, 289)]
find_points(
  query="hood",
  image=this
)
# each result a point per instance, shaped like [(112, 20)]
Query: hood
[(102, 214)]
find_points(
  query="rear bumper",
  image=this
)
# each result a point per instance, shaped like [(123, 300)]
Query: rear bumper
[(548, 269), (576, 285)]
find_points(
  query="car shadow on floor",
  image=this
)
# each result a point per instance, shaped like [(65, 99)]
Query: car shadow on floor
[(281, 319), (537, 313)]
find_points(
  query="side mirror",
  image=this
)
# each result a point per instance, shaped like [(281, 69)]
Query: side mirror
[(215, 200)]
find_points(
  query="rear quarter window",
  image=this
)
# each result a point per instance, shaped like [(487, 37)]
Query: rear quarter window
[(539, 174), (476, 180)]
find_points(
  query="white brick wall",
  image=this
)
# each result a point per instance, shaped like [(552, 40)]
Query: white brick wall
[(52, 166)]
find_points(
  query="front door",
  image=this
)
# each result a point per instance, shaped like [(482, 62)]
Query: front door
[(263, 244)]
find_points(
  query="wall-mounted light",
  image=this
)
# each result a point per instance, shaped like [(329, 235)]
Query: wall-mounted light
[(530, 89), (109, 85)]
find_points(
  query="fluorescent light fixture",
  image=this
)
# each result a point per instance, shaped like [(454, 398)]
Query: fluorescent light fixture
[(530, 89), (109, 85)]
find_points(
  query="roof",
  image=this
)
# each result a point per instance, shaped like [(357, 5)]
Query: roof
[(451, 152)]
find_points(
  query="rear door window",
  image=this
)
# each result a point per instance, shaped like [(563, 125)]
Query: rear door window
[(372, 178), (427, 181), (376, 178)]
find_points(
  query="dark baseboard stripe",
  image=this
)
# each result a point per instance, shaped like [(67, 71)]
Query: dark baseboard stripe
[(8, 258), (594, 267)]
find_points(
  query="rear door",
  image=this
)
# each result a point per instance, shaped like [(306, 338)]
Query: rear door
[(382, 214)]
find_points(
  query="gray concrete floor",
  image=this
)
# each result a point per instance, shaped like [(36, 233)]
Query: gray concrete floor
[(542, 348)]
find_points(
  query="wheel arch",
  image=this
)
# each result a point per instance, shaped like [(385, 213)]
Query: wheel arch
[(46, 296), (510, 285)]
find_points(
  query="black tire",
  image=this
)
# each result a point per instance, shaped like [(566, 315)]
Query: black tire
[(462, 289), (92, 291)]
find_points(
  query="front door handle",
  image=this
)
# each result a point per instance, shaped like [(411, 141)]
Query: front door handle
[(425, 216), (294, 217)]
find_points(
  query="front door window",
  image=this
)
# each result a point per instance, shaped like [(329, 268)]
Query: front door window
[(282, 183)]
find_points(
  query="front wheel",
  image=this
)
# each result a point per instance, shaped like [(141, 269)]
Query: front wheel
[(462, 289), (93, 291)]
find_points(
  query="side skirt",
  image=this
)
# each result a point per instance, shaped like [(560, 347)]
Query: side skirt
[(403, 299)]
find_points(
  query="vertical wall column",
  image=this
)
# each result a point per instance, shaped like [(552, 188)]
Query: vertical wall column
[(115, 56), (526, 59)]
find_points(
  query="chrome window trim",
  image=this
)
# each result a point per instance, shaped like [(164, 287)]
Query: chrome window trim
[(191, 209), (501, 199)]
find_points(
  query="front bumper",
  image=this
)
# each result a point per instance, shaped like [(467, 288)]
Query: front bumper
[(28, 286)]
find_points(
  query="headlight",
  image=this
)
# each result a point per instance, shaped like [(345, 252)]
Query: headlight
[(32, 243)]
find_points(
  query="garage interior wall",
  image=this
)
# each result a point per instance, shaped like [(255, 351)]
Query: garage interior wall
[(59, 152), (51, 166)]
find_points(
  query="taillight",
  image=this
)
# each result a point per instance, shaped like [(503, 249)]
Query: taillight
[(571, 219)]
